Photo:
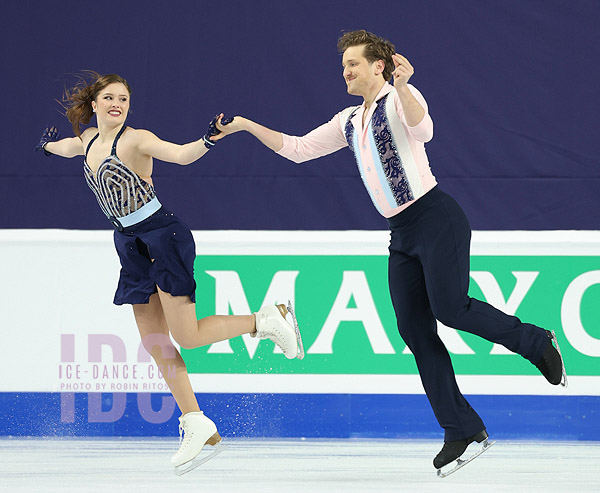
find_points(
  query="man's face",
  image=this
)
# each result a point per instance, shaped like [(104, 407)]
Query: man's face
[(360, 75)]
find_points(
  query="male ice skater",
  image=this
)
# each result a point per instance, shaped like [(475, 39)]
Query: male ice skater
[(430, 235)]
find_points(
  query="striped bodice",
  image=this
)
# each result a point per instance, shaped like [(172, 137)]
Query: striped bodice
[(119, 190)]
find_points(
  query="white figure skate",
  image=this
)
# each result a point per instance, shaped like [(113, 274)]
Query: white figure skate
[(197, 431), (278, 323)]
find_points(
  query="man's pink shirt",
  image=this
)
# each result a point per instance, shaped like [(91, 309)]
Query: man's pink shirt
[(329, 138)]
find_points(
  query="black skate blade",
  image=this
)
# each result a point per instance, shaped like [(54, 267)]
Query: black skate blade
[(204, 456), (462, 461)]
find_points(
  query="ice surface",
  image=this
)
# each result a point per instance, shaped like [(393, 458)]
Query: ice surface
[(114, 465)]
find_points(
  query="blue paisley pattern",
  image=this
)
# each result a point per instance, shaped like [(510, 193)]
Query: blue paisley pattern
[(388, 154), (349, 131), (391, 163)]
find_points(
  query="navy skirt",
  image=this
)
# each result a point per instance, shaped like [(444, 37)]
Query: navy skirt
[(159, 251)]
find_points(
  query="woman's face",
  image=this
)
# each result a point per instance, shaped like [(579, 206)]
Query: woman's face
[(112, 104)]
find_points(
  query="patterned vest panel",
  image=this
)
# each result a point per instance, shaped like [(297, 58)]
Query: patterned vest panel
[(388, 155)]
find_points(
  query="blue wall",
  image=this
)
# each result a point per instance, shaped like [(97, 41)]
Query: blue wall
[(307, 415), (511, 87)]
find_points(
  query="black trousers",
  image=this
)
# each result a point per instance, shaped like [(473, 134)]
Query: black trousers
[(429, 280)]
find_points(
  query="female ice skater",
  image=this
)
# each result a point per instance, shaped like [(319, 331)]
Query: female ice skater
[(155, 248)]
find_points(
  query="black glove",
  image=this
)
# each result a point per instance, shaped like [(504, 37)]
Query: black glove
[(50, 135), (213, 130)]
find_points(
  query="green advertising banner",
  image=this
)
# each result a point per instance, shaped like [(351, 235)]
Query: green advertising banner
[(348, 324)]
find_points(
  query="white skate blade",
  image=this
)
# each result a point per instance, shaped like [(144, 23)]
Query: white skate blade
[(460, 462), (204, 456), (563, 380), (300, 350)]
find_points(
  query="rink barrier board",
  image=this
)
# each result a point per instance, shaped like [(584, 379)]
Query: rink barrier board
[(337, 282), (358, 378)]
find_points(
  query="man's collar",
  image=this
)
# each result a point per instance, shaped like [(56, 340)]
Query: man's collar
[(357, 119), (386, 89)]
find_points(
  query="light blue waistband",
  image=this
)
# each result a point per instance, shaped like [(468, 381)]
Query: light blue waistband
[(142, 213)]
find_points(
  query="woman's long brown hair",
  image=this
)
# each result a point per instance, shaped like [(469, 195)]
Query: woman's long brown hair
[(77, 101)]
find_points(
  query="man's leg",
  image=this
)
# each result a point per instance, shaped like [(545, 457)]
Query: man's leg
[(417, 326), (444, 252)]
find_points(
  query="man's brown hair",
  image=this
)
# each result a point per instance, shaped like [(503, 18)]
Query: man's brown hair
[(376, 48)]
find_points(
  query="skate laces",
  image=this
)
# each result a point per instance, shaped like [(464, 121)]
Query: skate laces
[(278, 323), (270, 331), (180, 434), (184, 436), (183, 441)]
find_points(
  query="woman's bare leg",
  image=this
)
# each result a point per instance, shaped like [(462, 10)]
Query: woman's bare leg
[(180, 315), (154, 332)]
